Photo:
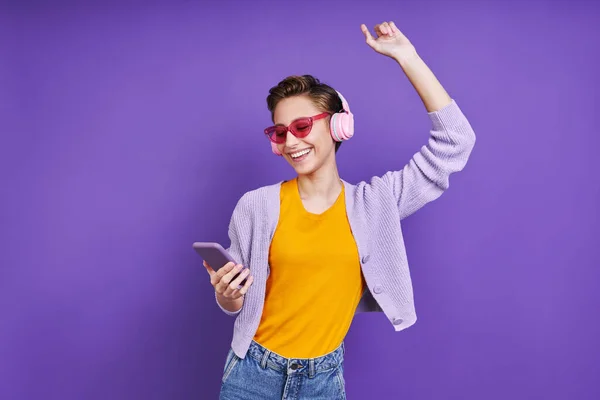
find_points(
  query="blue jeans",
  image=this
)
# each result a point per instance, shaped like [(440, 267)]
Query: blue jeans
[(264, 375)]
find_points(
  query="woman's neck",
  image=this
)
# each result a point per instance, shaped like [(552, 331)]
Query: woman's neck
[(324, 183)]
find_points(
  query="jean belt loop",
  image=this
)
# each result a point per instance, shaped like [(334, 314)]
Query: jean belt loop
[(265, 357), (311, 368)]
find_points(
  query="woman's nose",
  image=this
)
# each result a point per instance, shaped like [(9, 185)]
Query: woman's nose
[(290, 139)]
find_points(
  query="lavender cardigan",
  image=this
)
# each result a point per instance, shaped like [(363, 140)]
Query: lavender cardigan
[(374, 209)]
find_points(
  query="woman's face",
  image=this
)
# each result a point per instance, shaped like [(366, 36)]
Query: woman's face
[(312, 152)]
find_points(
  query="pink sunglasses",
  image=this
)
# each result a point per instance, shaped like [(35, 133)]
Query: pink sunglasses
[(300, 128)]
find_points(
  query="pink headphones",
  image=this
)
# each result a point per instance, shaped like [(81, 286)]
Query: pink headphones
[(341, 125)]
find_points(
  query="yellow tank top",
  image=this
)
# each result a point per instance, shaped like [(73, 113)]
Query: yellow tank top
[(315, 281)]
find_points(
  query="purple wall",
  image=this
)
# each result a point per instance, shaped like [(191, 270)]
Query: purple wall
[(130, 131)]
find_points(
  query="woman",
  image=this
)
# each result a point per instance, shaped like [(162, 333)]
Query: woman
[(319, 249)]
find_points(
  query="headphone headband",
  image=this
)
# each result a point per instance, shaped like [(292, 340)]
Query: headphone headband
[(345, 105)]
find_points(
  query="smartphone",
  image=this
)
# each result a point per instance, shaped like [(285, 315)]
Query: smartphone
[(216, 256)]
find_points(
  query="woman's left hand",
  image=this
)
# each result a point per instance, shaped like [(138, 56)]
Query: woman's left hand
[(390, 41)]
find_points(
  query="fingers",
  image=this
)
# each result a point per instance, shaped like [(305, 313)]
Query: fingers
[(218, 276), (232, 290), (228, 285), (244, 288), (397, 32), (209, 269), (367, 34), (383, 29), (237, 281), (387, 29), (224, 283), (378, 30), (226, 279)]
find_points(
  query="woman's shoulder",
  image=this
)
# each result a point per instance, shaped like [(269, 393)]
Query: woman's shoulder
[(258, 198), (373, 186)]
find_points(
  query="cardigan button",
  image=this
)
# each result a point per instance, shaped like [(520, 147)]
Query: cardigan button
[(397, 321), (365, 259), (378, 289)]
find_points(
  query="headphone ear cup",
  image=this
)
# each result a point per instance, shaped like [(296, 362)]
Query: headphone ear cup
[(334, 127), (342, 126), (275, 150), (347, 123), (342, 123)]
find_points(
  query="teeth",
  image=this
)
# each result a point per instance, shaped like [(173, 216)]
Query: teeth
[(300, 153)]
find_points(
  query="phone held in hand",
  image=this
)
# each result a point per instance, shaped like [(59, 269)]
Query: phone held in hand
[(216, 256)]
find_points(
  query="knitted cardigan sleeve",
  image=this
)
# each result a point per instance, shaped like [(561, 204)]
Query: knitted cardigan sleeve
[(427, 174)]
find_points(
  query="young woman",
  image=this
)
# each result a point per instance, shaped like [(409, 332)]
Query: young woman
[(318, 249)]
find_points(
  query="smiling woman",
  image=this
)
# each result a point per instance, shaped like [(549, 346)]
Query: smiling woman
[(322, 96), (319, 249), (317, 118)]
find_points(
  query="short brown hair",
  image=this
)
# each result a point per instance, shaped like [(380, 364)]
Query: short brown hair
[(322, 95)]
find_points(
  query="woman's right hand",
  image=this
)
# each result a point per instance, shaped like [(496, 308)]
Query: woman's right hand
[(224, 284)]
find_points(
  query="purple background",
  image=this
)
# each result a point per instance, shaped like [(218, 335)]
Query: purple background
[(130, 130)]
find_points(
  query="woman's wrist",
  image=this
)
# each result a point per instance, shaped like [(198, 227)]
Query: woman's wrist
[(405, 59), (231, 305)]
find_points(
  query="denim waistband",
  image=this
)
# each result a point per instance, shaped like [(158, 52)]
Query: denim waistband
[(311, 366)]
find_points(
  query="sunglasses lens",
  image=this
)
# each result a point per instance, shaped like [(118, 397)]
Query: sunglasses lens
[(276, 133), (301, 127), (279, 134)]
